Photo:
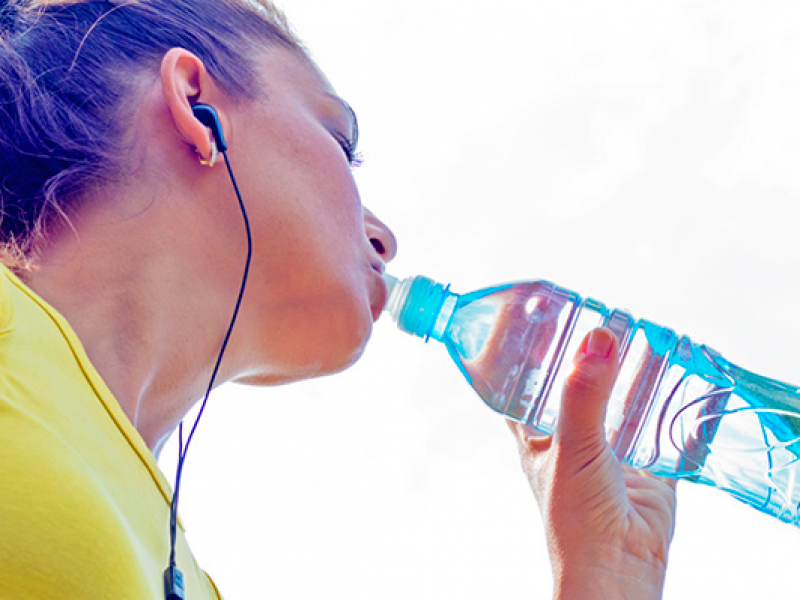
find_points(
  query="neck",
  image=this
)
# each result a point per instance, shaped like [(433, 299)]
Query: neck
[(151, 322)]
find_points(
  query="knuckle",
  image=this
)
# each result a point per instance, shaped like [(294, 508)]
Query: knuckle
[(586, 382)]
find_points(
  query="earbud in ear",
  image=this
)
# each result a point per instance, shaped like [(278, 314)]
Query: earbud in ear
[(206, 114)]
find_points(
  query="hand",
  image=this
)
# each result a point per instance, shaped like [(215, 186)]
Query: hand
[(608, 527)]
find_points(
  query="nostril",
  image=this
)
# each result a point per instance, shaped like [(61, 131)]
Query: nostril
[(378, 245), (380, 237)]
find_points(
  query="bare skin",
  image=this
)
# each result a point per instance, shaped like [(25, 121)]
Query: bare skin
[(149, 272), (608, 528)]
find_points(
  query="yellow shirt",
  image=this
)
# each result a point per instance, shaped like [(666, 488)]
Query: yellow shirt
[(84, 509)]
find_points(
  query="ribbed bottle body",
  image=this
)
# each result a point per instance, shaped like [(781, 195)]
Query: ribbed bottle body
[(677, 408)]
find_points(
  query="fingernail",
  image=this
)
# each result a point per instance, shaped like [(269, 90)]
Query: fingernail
[(529, 434), (599, 343)]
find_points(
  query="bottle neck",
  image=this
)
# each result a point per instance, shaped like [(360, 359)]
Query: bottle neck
[(421, 306)]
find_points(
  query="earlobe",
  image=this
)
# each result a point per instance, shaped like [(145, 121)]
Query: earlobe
[(184, 81)]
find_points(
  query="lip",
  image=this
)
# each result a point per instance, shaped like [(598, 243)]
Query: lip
[(378, 266), (382, 293)]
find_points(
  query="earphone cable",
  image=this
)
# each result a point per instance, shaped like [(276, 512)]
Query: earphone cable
[(182, 450)]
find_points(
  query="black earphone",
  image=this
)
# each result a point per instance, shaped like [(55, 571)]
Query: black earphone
[(206, 114), (174, 587)]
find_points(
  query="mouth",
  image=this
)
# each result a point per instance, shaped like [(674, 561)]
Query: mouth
[(378, 266), (382, 293)]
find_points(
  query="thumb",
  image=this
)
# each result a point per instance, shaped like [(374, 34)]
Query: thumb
[(586, 391)]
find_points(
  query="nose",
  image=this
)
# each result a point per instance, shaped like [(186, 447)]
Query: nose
[(380, 236)]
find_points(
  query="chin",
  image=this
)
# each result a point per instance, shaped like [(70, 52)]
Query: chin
[(322, 345), (345, 346)]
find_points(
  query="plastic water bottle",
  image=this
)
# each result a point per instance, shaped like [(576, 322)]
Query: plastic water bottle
[(677, 409)]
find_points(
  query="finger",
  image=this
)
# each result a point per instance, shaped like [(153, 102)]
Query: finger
[(586, 391), (529, 439), (668, 481)]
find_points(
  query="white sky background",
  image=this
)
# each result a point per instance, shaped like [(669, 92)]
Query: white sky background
[(646, 154)]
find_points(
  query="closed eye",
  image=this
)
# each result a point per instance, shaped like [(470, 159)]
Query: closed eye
[(354, 158)]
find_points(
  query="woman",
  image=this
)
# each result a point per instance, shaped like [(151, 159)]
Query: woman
[(127, 258), (124, 254)]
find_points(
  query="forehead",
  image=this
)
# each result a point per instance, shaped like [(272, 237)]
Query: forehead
[(294, 85), (284, 70)]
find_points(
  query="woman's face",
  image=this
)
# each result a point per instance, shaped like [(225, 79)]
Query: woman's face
[(315, 287)]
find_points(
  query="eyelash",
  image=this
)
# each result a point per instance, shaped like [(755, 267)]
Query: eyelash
[(354, 158)]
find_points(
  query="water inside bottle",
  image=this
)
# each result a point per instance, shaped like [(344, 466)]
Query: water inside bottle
[(677, 409), (723, 426)]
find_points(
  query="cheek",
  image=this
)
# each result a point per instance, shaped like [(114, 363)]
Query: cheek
[(311, 247), (310, 260), (312, 175)]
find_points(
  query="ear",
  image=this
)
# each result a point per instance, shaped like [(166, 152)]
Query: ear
[(184, 81)]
